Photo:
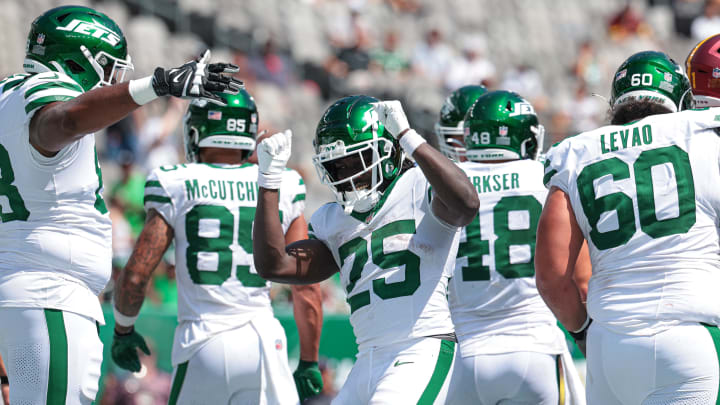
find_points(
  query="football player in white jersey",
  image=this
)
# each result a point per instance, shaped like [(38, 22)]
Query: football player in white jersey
[(643, 192), (229, 348), (55, 239), (511, 350), (392, 235)]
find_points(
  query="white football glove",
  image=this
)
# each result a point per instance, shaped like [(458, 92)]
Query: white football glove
[(392, 116), (273, 154)]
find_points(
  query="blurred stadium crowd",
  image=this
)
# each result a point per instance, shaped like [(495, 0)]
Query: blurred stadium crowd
[(296, 56)]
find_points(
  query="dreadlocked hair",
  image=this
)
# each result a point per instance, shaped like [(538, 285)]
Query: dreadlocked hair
[(635, 110)]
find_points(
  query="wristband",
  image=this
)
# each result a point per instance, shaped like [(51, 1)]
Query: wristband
[(123, 320), (4, 380), (580, 333), (141, 90), (269, 181), (410, 141)]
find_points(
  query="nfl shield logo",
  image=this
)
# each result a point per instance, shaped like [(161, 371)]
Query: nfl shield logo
[(667, 76), (215, 115), (253, 118), (278, 344), (40, 38), (716, 73), (621, 74), (503, 131)]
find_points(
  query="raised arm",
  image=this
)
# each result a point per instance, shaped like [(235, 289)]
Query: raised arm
[(557, 250), (302, 262), (131, 287), (308, 312), (58, 124), (456, 201)]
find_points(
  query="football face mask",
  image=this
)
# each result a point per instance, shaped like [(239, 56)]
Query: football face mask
[(353, 154), (354, 174)]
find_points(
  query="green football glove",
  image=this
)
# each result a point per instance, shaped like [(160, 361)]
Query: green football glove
[(308, 379), (124, 350)]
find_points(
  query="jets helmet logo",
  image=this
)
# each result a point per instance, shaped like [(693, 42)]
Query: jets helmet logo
[(93, 29), (522, 109)]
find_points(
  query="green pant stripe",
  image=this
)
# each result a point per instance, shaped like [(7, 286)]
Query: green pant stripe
[(58, 372), (715, 335), (442, 367), (177, 383)]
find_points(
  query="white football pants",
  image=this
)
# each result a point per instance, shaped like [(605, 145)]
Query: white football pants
[(412, 372), (678, 366), (51, 356), (243, 366)]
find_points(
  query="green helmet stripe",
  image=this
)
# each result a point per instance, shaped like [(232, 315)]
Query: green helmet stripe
[(35, 104), (53, 85)]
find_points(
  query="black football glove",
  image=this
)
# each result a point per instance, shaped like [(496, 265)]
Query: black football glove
[(197, 79)]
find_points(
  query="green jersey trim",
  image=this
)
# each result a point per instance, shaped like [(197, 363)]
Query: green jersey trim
[(442, 368), (299, 197), (52, 86), (58, 370), (361, 216), (153, 183), (35, 104), (13, 81), (177, 383), (157, 199), (715, 335)]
